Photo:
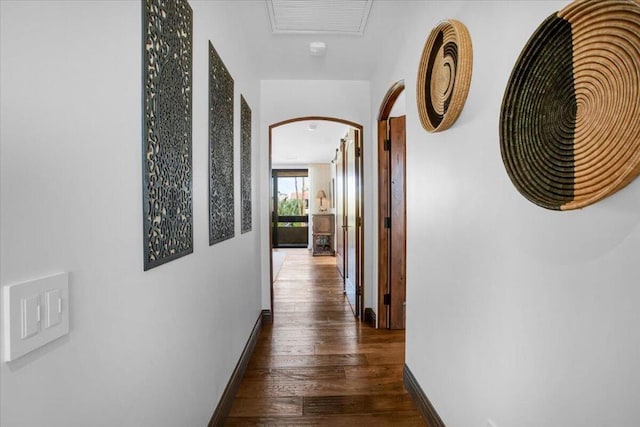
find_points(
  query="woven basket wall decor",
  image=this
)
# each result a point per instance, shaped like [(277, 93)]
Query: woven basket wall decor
[(444, 75), (570, 118)]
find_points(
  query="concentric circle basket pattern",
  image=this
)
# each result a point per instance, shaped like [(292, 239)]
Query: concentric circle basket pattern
[(570, 118), (444, 75)]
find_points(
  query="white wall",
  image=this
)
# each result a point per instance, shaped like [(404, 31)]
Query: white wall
[(145, 348), (518, 314), (286, 99), (319, 179)]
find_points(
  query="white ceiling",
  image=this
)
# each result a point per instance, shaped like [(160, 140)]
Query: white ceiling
[(294, 144), (348, 56), (286, 56)]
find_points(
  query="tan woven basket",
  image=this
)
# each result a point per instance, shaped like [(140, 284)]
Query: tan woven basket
[(570, 119), (444, 75)]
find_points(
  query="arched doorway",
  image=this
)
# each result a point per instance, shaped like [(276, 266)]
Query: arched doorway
[(349, 208), (391, 211)]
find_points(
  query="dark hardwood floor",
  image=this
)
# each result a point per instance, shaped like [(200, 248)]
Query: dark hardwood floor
[(316, 365)]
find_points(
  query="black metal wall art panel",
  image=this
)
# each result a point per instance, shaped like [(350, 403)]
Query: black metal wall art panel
[(245, 165), (221, 202), (167, 59)]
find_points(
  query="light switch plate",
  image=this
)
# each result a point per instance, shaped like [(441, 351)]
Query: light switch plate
[(31, 315)]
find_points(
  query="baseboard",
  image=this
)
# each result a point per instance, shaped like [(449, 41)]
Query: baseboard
[(224, 406), (370, 316), (266, 316), (425, 407)]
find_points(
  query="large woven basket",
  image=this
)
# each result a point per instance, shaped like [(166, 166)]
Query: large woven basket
[(444, 75), (570, 119)]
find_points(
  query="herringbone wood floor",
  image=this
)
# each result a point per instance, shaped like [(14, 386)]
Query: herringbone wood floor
[(316, 365)]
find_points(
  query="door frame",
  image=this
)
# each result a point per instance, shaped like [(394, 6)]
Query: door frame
[(360, 249), (383, 200)]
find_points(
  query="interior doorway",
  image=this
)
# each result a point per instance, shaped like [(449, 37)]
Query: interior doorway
[(345, 200), (392, 211)]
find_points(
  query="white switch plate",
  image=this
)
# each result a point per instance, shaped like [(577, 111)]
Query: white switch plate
[(31, 315)]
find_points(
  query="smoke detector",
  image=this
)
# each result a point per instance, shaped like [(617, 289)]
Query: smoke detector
[(317, 48)]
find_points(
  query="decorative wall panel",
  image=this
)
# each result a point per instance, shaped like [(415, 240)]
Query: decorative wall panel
[(245, 165), (221, 202), (166, 127), (444, 75), (570, 119)]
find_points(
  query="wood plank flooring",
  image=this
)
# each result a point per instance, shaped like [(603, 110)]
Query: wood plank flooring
[(315, 365)]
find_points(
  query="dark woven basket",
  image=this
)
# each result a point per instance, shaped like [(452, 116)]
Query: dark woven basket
[(570, 119), (444, 75)]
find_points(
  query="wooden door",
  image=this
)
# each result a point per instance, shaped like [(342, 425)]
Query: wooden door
[(392, 227), (340, 214), (398, 248), (383, 224), (359, 222), (353, 237), (349, 211)]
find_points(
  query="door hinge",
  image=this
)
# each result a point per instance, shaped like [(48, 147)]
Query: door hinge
[(387, 145), (387, 222), (387, 299), (358, 222), (358, 152)]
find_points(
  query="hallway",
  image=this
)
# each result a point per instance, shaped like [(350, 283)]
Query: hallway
[(316, 365)]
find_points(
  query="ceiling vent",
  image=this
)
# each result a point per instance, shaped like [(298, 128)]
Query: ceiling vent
[(318, 16)]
